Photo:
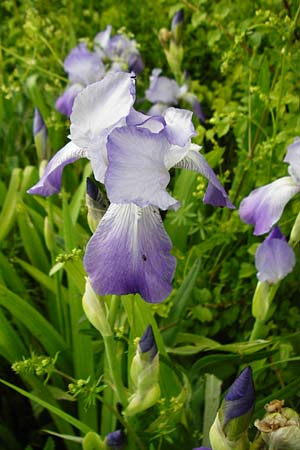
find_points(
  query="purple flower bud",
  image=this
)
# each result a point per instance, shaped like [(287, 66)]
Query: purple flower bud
[(147, 342), (177, 19), (116, 440), (240, 398), (274, 258), (38, 122), (91, 189), (40, 135)]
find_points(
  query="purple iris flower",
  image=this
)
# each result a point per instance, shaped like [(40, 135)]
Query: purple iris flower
[(264, 206), (274, 258), (121, 51), (83, 68), (164, 91), (131, 153), (240, 398)]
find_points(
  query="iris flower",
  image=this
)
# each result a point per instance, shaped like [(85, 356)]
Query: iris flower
[(85, 67), (131, 153), (264, 206), (164, 91)]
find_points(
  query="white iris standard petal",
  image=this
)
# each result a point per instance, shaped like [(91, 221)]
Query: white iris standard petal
[(130, 253), (136, 172), (100, 106), (179, 126)]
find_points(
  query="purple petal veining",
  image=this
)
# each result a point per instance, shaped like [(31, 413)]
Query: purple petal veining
[(130, 253)]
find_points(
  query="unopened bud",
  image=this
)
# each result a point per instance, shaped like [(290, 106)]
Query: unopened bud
[(116, 440), (176, 27), (94, 310), (144, 373), (229, 431), (95, 203), (40, 135)]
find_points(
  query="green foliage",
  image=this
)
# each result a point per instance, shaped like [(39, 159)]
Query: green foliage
[(243, 61)]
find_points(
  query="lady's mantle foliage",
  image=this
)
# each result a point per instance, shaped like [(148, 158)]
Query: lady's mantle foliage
[(131, 153)]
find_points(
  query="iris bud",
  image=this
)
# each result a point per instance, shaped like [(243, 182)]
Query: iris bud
[(94, 309), (229, 431), (144, 373), (116, 440), (40, 135), (176, 27), (95, 203)]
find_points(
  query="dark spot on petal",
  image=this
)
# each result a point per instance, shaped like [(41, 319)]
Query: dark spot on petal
[(144, 257)]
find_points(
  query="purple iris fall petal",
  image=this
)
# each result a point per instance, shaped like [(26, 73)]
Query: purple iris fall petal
[(83, 66), (215, 193), (264, 206), (274, 258), (240, 398), (130, 253), (293, 158), (147, 342), (50, 182), (64, 103), (136, 172), (196, 105), (162, 89)]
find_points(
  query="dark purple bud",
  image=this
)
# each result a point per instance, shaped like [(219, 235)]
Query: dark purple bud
[(116, 440), (38, 122), (91, 189), (147, 342), (240, 398), (177, 19), (135, 63), (198, 111)]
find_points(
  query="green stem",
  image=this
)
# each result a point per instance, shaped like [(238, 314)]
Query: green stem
[(114, 305), (115, 368), (258, 330)]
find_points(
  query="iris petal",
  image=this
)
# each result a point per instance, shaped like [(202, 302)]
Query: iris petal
[(130, 253), (264, 206), (215, 194), (274, 258), (50, 182), (293, 158), (136, 171), (101, 106)]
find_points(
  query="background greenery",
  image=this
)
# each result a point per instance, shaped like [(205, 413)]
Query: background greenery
[(243, 61)]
